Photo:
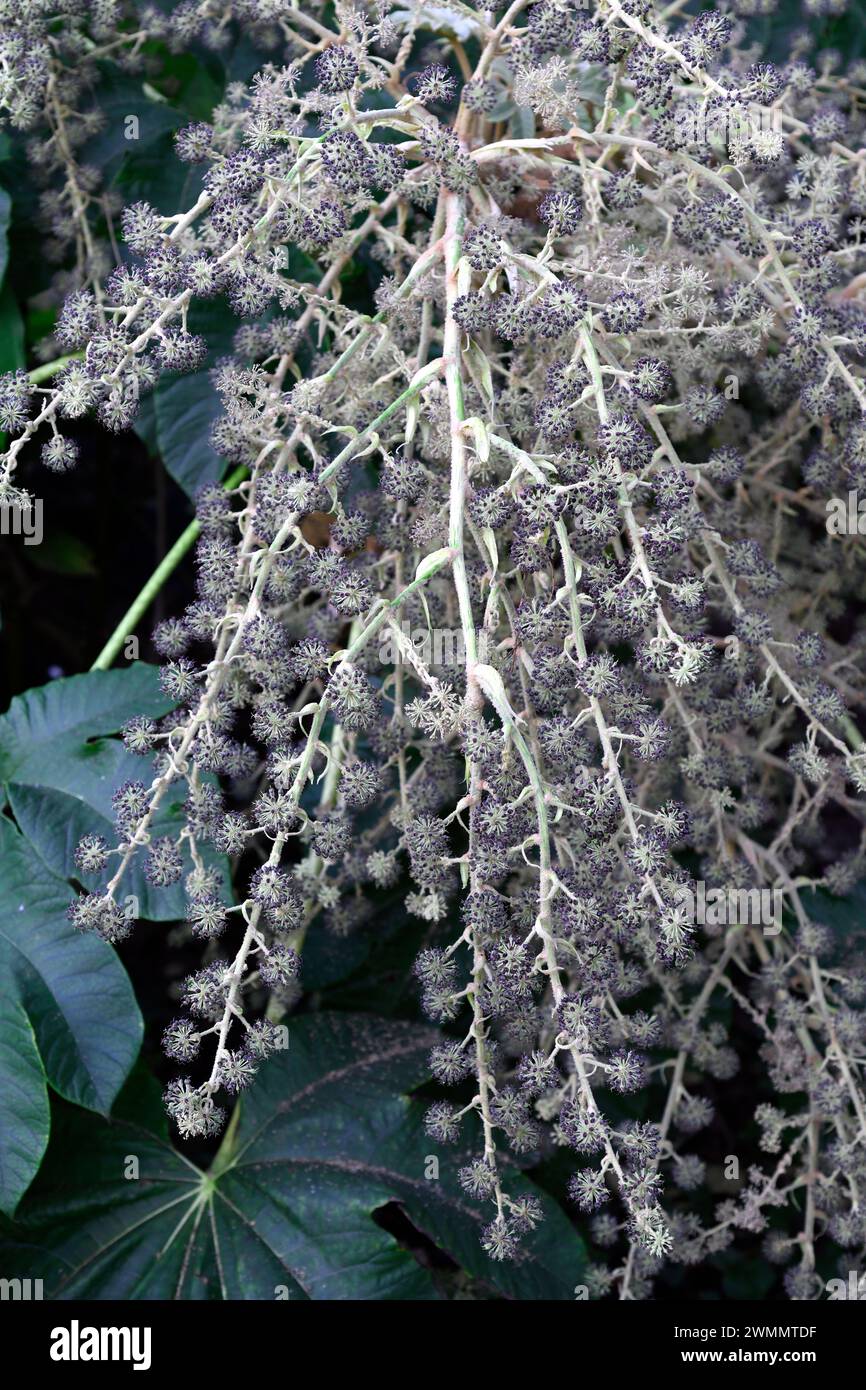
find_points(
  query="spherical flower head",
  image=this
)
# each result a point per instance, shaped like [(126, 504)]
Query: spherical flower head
[(551, 26), (353, 698), (621, 192), (324, 223), (435, 84), (449, 1063), (693, 1113), (270, 886), (525, 1213), (262, 1039), (131, 802), (704, 405), (236, 1071), (480, 96), (802, 1284), (164, 864), (724, 465), (753, 629), (434, 968), (482, 247), (179, 351), (588, 1189), (478, 1178), (708, 32), (624, 312), (561, 211), (767, 146), (536, 1073), (206, 916), (91, 854), (193, 142), (60, 454), (442, 1123), (139, 734), (828, 124), (77, 319), (499, 1240), (626, 1071), (16, 395), (279, 965), (473, 312), (179, 679), (171, 637), (360, 784), (763, 83), (142, 228), (100, 915), (331, 837), (599, 676), (345, 160), (813, 238), (651, 379), (336, 69), (192, 1109), (582, 1128), (181, 1041), (385, 166), (204, 992)]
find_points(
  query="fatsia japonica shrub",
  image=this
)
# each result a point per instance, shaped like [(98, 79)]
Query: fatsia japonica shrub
[(519, 595)]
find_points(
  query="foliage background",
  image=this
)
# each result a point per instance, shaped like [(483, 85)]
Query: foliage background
[(318, 1189)]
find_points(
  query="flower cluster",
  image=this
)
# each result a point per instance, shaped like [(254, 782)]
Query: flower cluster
[(613, 374)]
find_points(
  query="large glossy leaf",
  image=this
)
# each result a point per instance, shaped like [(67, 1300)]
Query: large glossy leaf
[(844, 916), (68, 1015), (326, 1138), (185, 407), (60, 772), (134, 118), (26, 1112), (50, 735)]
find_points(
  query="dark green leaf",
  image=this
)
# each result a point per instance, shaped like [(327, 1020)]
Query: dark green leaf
[(83, 1029), (60, 775), (326, 1138), (185, 407), (50, 734), (26, 1112), (133, 119)]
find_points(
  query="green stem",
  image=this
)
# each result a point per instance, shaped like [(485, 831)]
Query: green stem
[(419, 380), (145, 597), (50, 369)]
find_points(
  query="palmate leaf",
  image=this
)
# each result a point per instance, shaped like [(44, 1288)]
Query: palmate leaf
[(68, 1015), (60, 772), (326, 1137), (50, 736)]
